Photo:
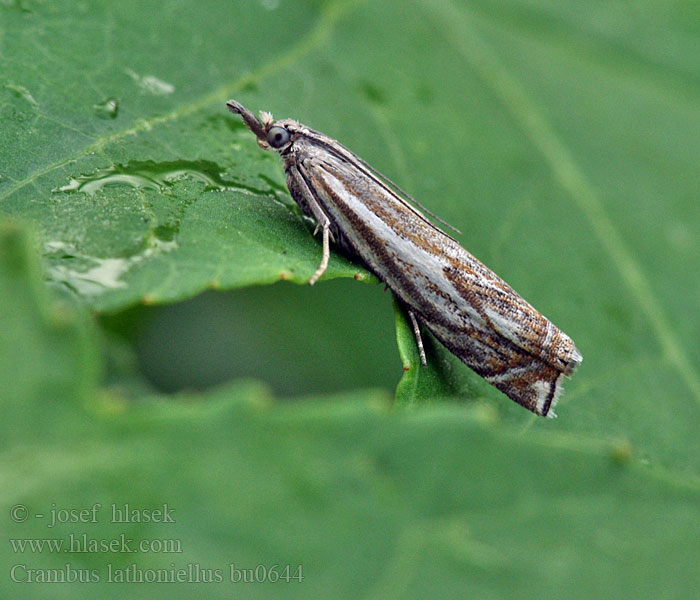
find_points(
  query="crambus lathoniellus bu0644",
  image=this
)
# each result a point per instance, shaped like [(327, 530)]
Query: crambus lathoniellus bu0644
[(466, 306)]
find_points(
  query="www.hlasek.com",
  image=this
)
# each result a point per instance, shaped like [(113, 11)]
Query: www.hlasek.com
[(83, 544), (190, 573)]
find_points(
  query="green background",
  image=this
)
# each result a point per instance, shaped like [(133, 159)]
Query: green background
[(155, 348)]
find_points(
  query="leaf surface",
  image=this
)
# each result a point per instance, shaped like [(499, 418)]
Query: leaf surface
[(365, 501), (562, 138)]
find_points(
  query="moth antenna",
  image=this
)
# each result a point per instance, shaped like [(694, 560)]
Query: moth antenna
[(251, 121)]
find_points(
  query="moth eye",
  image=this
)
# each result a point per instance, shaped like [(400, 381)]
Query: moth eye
[(277, 137)]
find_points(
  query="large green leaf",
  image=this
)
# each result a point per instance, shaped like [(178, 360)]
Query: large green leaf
[(366, 502), (47, 351), (560, 141), (165, 194), (562, 138)]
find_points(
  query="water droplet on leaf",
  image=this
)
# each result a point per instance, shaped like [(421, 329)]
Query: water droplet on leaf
[(152, 84), (107, 109), (19, 91), (158, 176)]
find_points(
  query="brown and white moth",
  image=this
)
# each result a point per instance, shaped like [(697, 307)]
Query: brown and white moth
[(466, 306)]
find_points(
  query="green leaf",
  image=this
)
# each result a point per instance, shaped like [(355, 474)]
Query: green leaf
[(557, 138), (442, 377), (366, 502), (562, 138), (49, 361), (168, 195)]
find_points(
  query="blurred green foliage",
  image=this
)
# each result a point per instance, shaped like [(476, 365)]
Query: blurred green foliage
[(562, 138)]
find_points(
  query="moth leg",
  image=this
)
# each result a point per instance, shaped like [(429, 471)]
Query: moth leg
[(305, 198), (326, 252), (330, 233), (419, 338)]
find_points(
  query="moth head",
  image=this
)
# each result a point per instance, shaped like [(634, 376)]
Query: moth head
[(271, 134)]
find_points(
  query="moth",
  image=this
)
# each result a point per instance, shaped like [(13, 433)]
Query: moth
[(466, 306)]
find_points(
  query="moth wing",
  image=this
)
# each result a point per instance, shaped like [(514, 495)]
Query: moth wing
[(483, 321)]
